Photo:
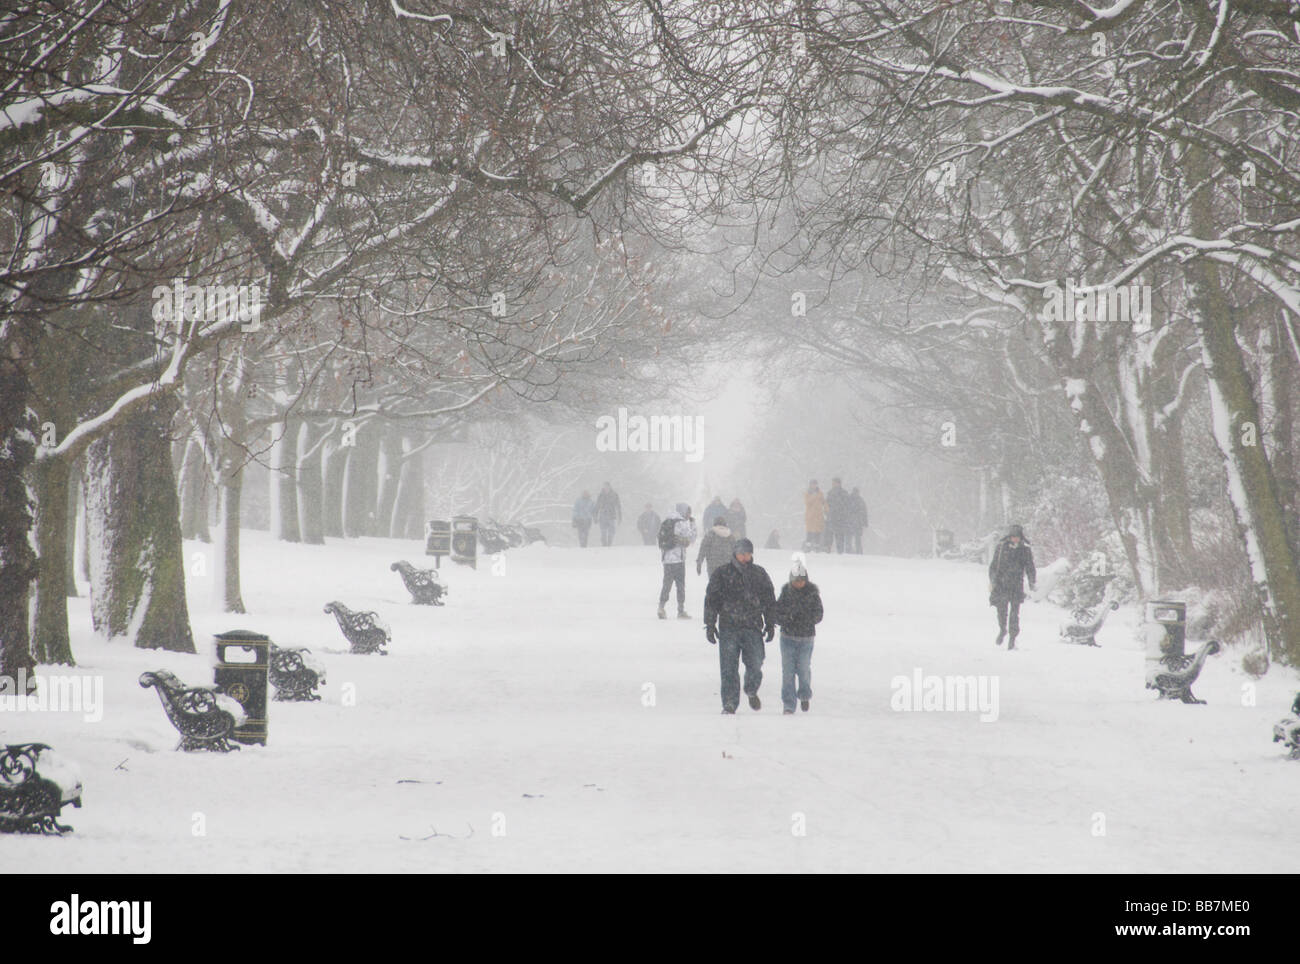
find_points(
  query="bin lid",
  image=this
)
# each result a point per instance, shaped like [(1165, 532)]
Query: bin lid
[(242, 636)]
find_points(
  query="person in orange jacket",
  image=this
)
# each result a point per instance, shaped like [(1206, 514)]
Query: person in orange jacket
[(814, 516)]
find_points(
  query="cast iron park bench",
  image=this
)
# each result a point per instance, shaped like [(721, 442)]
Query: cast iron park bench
[(295, 673), (423, 584), (365, 631), (205, 718), (31, 800)]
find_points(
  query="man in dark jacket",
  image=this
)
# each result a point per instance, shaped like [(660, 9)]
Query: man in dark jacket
[(839, 510), (712, 511), (716, 546), (798, 612), (859, 510), (647, 523), (739, 608), (1012, 561), (609, 513)]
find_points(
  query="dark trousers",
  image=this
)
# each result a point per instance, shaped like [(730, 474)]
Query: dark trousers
[(734, 645), (607, 533), (674, 572), (841, 539), (1008, 617), (583, 528), (857, 541)]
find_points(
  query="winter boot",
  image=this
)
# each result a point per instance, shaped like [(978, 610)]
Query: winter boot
[(803, 704), (787, 712), (683, 614), (729, 710), (1011, 643), (755, 703), (662, 614), (1002, 634)]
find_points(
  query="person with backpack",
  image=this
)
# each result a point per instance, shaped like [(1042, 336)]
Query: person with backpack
[(608, 513), (1012, 561), (739, 609), (798, 612), (675, 534), (715, 547), (647, 523), (584, 511)]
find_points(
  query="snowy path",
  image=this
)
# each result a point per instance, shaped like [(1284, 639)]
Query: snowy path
[(519, 708)]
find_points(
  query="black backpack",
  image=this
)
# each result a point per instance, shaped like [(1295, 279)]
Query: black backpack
[(668, 534)]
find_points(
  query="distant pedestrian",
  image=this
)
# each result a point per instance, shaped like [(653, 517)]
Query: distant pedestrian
[(715, 547), (773, 540), (739, 615), (712, 511), (609, 513), (859, 519), (1013, 560), (675, 534), (798, 612), (814, 516), (736, 519), (583, 512), (838, 510), (647, 523)]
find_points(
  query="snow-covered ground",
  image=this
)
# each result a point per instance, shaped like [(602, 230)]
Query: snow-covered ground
[(513, 724)]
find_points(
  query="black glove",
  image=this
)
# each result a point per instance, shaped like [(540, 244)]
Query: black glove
[(711, 634), (771, 633)]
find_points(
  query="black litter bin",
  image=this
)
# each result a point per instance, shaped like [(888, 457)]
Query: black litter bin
[(437, 540), (243, 665), (1166, 634), (464, 540)]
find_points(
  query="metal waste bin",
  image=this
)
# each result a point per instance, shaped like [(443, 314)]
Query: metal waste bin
[(243, 665), (464, 540), (437, 540), (1166, 636)]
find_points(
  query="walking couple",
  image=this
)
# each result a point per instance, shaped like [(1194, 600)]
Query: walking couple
[(742, 613)]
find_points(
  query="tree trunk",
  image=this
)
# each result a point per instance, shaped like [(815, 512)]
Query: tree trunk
[(230, 492), (50, 640), (1277, 369), (137, 569), (408, 508), (1238, 430), (284, 482), (389, 473), (193, 486), (360, 483), (310, 495), (17, 452), (334, 467), (72, 518)]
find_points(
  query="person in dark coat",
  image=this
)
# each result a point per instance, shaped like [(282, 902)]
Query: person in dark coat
[(712, 511), (609, 513), (839, 511), (583, 510), (736, 519), (858, 515), (739, 609), (647, 523), (716, 547), (773, 540), (798, 612), (1013, 560)]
